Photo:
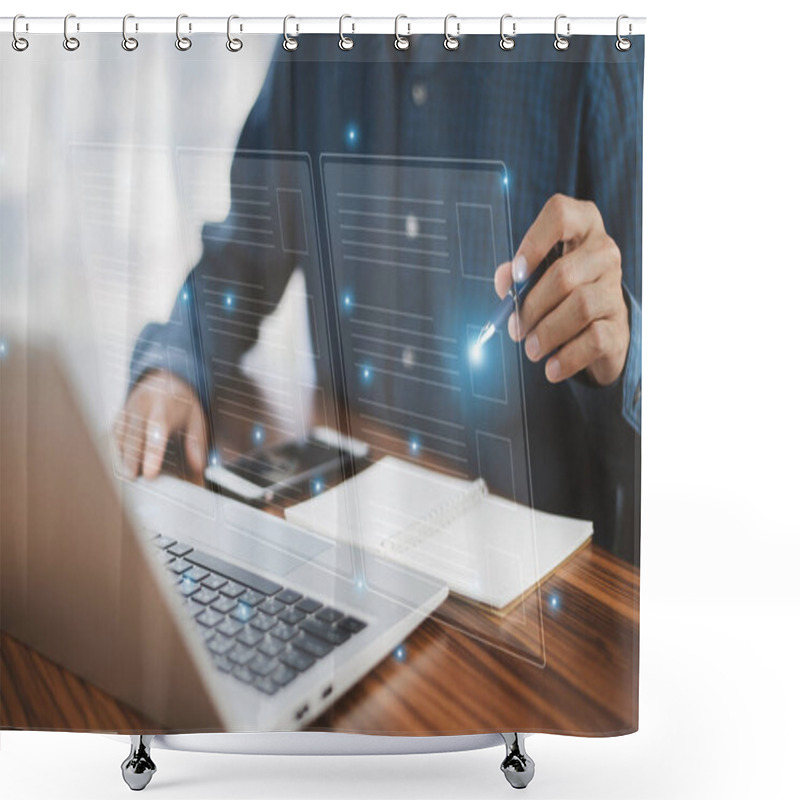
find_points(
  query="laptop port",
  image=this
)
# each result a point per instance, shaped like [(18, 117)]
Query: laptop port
[(301, 712), (327, 691)]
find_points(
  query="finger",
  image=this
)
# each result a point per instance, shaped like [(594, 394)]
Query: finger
[(580, 352), (195, 442), (562, 219), (132, 441), (581, 266), (502, 279), (579, 309), (155, 443)]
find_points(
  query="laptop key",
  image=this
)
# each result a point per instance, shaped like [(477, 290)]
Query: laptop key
[(241, 654), (163, 541), (210, 618), (214, 582), (230, 627), (196, 573), (266, 685), (250, 636), (179, 566), (195, 609), (165, 557), (221, 662), (262, 665), (351, 624), (243, 612), (329, 614), (284, 632), (308, 606), (205, 596), (242, 673), (297, 659), (316, 647), (291, 616), (188, 588), (272, 606), (220, 644), (179, 549), (252, 597), (224, 605), (325, 632), (288, 596), (283, 675), (262, 622), (232, 589), (271, 647)]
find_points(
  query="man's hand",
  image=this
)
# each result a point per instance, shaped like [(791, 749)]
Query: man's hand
[(160, 405), (577, 310)]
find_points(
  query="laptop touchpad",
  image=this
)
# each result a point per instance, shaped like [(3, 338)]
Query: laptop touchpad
[(288, 547)]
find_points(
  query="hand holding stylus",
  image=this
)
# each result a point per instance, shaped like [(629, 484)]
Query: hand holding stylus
[(576, 313)]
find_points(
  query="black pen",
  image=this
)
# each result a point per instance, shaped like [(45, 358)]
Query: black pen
[(516, 295)]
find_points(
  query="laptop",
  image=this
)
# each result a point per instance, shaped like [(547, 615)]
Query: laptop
[(201, 612)]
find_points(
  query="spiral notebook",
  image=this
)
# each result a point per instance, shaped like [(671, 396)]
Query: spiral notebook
[(486, 548)]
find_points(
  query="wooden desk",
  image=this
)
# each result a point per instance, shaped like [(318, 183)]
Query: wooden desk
[(448, 682)]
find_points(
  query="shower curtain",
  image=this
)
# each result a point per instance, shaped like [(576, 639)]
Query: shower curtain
[(320, 380)]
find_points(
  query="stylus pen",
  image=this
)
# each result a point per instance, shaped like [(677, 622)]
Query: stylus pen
[(515, 297)]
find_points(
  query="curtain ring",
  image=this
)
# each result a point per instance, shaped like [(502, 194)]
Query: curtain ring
[(18, 42), (289, 43), (345, 42), (71, 43), (622, 44), (233, 44), (451, 42), (182, 42), (128, 42), (561, 43), (401, 42), (507, 42)]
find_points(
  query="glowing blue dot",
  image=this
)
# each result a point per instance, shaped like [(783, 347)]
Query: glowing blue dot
[(475, 354), (258, 434), (351, 135), (414, 446), (3, 348), (317, 486), (365, 373), (185, 295), (505, 180), (360, 584), (553, 601), (400, 653), (228, 301), (347, 300)]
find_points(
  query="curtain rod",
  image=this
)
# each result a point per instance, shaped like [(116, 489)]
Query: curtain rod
[(406, 26)]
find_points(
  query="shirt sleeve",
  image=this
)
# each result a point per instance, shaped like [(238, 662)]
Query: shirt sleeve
[(189, 343), (611, 176)]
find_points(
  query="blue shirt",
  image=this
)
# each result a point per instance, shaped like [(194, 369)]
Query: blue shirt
[(568, 122)]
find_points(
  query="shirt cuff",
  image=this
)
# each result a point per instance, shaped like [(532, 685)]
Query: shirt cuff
[(632, 375)]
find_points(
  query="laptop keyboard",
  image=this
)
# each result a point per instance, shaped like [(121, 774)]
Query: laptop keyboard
[(262, 633)]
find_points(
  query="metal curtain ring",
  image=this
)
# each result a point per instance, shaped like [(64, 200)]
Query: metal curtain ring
[(560, 43), (182, 42), (289, 43), (71, 43), (345, 42), (233, 44), (507, 42), (451, 42), (622, 44), (401, 42), (18, 42), (128, 42)]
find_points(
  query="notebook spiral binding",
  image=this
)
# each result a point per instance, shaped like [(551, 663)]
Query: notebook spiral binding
[(290, 43), (421, 529)]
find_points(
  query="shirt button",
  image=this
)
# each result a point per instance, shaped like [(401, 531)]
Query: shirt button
[(419, 94)]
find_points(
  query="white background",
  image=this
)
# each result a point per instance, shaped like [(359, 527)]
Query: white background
[(720, 532)]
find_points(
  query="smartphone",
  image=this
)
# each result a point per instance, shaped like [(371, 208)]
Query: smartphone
[(291, 470)]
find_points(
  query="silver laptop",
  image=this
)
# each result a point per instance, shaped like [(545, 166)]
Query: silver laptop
[(202, 613)]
